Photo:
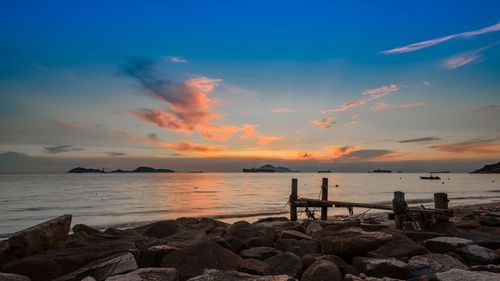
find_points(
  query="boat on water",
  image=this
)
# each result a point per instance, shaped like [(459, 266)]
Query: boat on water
[(327, 171), (431, 177), (381, 171)]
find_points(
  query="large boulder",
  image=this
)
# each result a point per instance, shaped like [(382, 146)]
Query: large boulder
[(391, 267), (153, 255), (103, 268), (216, 275), (298, 247), (86, 229), (344, 267), (446, 244), (253, 235), (399, 246), (183, 239), (489, 267), (260, 253), (475, 254), (322, 270), (464, 275), (254, 266), (283, 225), (192, 260), (293, 234), (432, 263), (350, 242), (148, 274), (362, 277), (285, 263), (13, 277), (161, 229), (48, 235)]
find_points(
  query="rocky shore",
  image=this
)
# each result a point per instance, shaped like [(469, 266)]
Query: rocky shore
[(271, 249)]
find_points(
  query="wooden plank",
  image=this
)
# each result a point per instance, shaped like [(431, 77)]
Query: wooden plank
[(293, 200), (324, 196)]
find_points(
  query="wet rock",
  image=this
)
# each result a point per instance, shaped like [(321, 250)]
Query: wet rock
[(464, 275), (148, 274), (103, 268), (285, 263), (260, 253), (13, 277), (293, 234), (489, 267), (322, 270), (192, 260), (446, 244), (216, 275), (86, 229), (430, 264), (153, 255), (254, 266), (48, 235), (475, 254), (298, 247), (161, 229), (350, 241), (399, 246), (391, 267), (253, 235)]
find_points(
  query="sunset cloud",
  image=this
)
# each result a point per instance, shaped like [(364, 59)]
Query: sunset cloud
[(265, 140), (368, 95), (465, 58), (325, 123), (428, 43), (478, 145), (116, 153), (61, 149), (286, 110), (70, 125), (422, 139), (383, 106)]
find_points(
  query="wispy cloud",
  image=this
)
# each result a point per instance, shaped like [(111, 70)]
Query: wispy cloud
[(176, 59), (265, 139), (70, 125), (428, 43), (477, 145), (287, 110), (116, 153), (466, 58), (422, 139), (325, 123), (61, 149), (383, 106), (368, 95)]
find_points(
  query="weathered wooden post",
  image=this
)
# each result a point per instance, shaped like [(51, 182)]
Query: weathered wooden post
[(441, 201), (324, 196), (293, 198), (400, 209)]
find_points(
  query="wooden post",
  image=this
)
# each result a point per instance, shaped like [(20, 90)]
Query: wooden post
[(293, 198), (399, 205), (324, 196), (441, 201)]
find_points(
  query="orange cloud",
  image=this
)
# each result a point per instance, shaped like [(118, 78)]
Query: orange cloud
[(382, 106), (325, 123), (341, 151), (70, 125), (265, 140), (369, 95), (287, 110), (481, 146)]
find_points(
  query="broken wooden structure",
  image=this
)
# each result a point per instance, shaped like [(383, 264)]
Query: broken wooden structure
[(404, 217)]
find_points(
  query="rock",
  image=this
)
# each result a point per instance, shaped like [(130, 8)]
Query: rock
[(322, 270), (485, 236), (464, 275), (279, 226), (399, 246), (293, 234), (468, 224), (191, 260), (184, 238), (339, 225), (51, 234), (260, 253), (285, 263), (345, 268), (86, 229), (89, 278), (391, 267), (236, 244), (254, 266), (161, 229), (13, 277), (253, 235), (489, 267), (113, 231), (103, 268), (475, 254), (153, 255), (430, 264), (218, 275), (309, 259), (298, 247), (446, 244), (148, 274), (362, 277), (313, 227), (350, 241), (419, 236)]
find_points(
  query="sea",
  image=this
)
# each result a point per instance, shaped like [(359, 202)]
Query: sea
[(126, 200)]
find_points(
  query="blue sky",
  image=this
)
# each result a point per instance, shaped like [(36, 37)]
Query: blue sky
[(288, 70)]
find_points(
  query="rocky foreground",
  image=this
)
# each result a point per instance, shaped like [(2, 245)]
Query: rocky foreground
[(272, 249)]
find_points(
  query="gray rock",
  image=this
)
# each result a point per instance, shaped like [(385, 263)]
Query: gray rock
[(48, 235), (184, 238), (313, 227), (86, 229), (489, 221), (161, 229), (475, 254), (391, 267), (350, 242), (260, 253), (153, 255), (322, 270), (464, 275), (344, 267), (148, 274), (103, 268), (399, 246), (285, 263), (13, 277), (298, 247), (192, 260), (293, 234), (362, 277), (489, 267), (89, 278), (446, 244), (253, 235), (254, 266), (430, 264), (218, 275)]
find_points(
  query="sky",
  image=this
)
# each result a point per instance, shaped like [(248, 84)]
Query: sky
[(223, 85)]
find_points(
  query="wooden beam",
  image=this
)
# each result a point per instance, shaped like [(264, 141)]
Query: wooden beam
[(324, 196), (293, 200)]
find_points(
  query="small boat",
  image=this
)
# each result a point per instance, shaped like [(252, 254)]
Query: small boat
[(327, 171), (431, 177)]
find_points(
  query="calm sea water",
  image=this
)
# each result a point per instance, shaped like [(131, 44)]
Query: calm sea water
[(129, 199)]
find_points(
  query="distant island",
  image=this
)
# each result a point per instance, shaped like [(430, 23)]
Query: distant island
[(80, 170), (489, 169), (269, 169), (381, 171)]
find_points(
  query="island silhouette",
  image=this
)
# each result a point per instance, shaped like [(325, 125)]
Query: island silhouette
[(80, 170)]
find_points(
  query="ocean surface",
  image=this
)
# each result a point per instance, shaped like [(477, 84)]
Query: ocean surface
[(121, 200)]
